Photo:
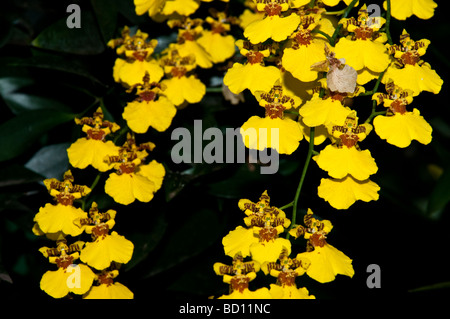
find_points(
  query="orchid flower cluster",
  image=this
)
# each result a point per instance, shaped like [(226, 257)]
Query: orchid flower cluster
[(130, 178), (160, 86), (100, 258), (306, 69), (307, 73), (261, 240)]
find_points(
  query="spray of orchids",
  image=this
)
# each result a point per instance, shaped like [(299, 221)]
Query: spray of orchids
[(304, 67)]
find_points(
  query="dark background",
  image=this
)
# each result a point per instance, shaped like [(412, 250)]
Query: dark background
[(178, 235)]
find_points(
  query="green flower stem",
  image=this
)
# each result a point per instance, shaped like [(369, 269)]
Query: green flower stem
[(388, 21), (377, 84), (287, 205), (324, 34), (124, 130), (302, 178), (98, 101), (335, 13), (292, 112), (338, 29), (374, 103), (374, 113), (94, 183)]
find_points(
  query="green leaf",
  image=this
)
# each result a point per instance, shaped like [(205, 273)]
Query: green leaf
[(127, 9), (50, 161), (55, 63), (144, 243), (440, 195), (19, 94), (20, 102), (20, 132), (106, 13), (85, 40)]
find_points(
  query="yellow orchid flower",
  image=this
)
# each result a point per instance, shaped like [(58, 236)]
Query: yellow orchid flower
[(409, 71), (92, 149), (403, 9), (399, 127)]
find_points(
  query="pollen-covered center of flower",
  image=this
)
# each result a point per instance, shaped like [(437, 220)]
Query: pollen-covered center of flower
[(65, 199), (318, 239), (218, 27), (64, 261), (140, 55), (105, 279), (338, 96), (363, 33), (96, 134), (127, 168), (349, 140), (188, 35), (178, 71), (274, 110), (239, 283), (408, 49), (410, 57), (398, 106), (254, 57), (268, 233), (287, 277), (303, 37), (272, 9), (147, 96), (100, 231)]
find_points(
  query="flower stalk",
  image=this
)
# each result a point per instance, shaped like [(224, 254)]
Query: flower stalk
[(302, 178), (338, 28)]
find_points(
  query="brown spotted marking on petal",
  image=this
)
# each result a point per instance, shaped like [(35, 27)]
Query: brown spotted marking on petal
[(239, 283), (363, 33), (147, 96), (318, 239), (105, 279), (178, 71), (217, 27), (127, 168), (410, 57), (64, 261), (303, 37), (65, 199), (268, 234), (100, 231), (254, 57), (398, 106), (272, 9), (96, 134), (349, 140), (287, 278), (274, 110), (140, 55)]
